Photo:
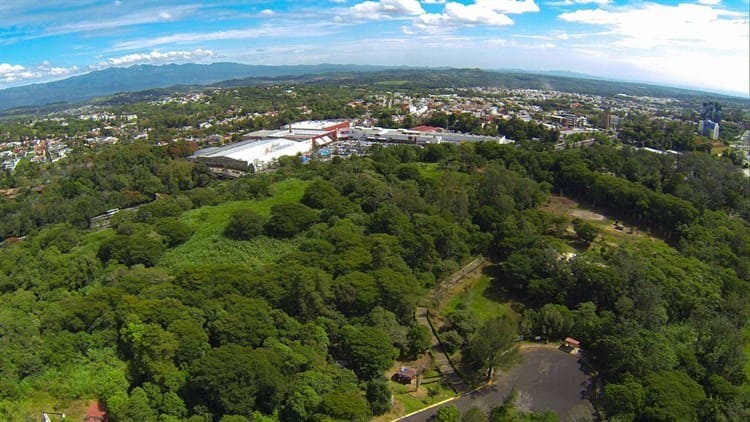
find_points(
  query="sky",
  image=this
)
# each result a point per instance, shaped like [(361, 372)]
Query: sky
[(702, 44)]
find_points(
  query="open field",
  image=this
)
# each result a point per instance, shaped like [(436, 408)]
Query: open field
[(565, 207), (478, 295), (208, 244)]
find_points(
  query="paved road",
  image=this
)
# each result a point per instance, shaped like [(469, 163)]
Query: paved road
[(547, 379)]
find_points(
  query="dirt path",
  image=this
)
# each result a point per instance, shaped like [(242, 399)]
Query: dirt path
[(444, 364), (450, 375)]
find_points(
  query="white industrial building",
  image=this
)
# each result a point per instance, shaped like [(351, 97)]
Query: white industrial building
[(263, 148)]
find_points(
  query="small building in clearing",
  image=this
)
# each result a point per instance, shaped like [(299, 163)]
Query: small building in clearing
[(572, 344)]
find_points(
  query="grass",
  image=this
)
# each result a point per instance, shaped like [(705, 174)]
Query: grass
[(208, 244), (480, 297), (427, 395), (429, 171)]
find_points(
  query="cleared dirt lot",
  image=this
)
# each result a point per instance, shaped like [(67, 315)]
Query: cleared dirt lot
[(547, 379)]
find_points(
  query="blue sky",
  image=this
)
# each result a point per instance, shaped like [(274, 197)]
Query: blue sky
[(701, 43)]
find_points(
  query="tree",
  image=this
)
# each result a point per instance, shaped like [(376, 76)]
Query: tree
[(420, 339), (287, 220), (368, 351), (492, 346), (379, 396), (672, 395), (585, 231), (449, 413), (244, 224), (174, 230), (346, 406), (474, 414), (624, 399)]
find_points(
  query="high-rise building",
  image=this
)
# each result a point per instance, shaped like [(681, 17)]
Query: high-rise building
[(710, 118), (711, 111)]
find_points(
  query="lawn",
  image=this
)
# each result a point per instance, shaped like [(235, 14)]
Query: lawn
[(209, 245), (429, 394), (480, 297)]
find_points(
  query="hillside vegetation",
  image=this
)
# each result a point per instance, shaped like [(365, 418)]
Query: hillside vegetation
[(287, 295)]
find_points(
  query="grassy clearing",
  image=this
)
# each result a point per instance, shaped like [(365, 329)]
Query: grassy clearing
[(429, 171), (208, 244), (411, 401), (480, 297)]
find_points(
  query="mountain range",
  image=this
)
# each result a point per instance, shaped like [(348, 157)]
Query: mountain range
[(143, 77), (149, 80)]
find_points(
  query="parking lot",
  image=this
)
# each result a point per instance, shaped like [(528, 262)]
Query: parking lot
[(546, 379)]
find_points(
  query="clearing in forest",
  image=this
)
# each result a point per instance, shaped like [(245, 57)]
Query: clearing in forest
[(562, 206), (209, 244)]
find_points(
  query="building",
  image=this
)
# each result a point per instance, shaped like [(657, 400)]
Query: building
[(708, 129), (710, 119), (711, 111), (572, 345), (405, 375), (417, 137), (95, 413), (263, 148)]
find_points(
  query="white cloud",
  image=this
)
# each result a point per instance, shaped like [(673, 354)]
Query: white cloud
[(99, 23), (685, 25), (14, 74), (433, 1), (709, 2), (474, 14), (266, 31), (386, 9), (680, 43), (156, 57), (481, 12), (578, 2)]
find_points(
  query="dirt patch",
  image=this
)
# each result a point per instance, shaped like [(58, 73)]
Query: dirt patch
[(587, 215)]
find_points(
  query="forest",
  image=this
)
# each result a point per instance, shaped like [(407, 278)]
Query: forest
[(287, 295)]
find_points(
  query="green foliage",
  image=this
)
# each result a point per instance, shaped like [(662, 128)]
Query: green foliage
[(346, 406), (288, 220), (672, 396), (585, 231), (175, 231), (449, 413), (367, 350), (165, 315), (244, 225), (474, 414), (492, 346), (379, 396)]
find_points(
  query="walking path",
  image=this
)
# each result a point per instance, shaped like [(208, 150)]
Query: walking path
[(450, 375), (446, 368)]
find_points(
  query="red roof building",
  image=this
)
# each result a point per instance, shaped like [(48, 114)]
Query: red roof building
[(406, 374), (569, 341), (95, 413)]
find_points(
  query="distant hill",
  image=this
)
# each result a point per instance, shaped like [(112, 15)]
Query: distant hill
[(142, 82), (144, 77)]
